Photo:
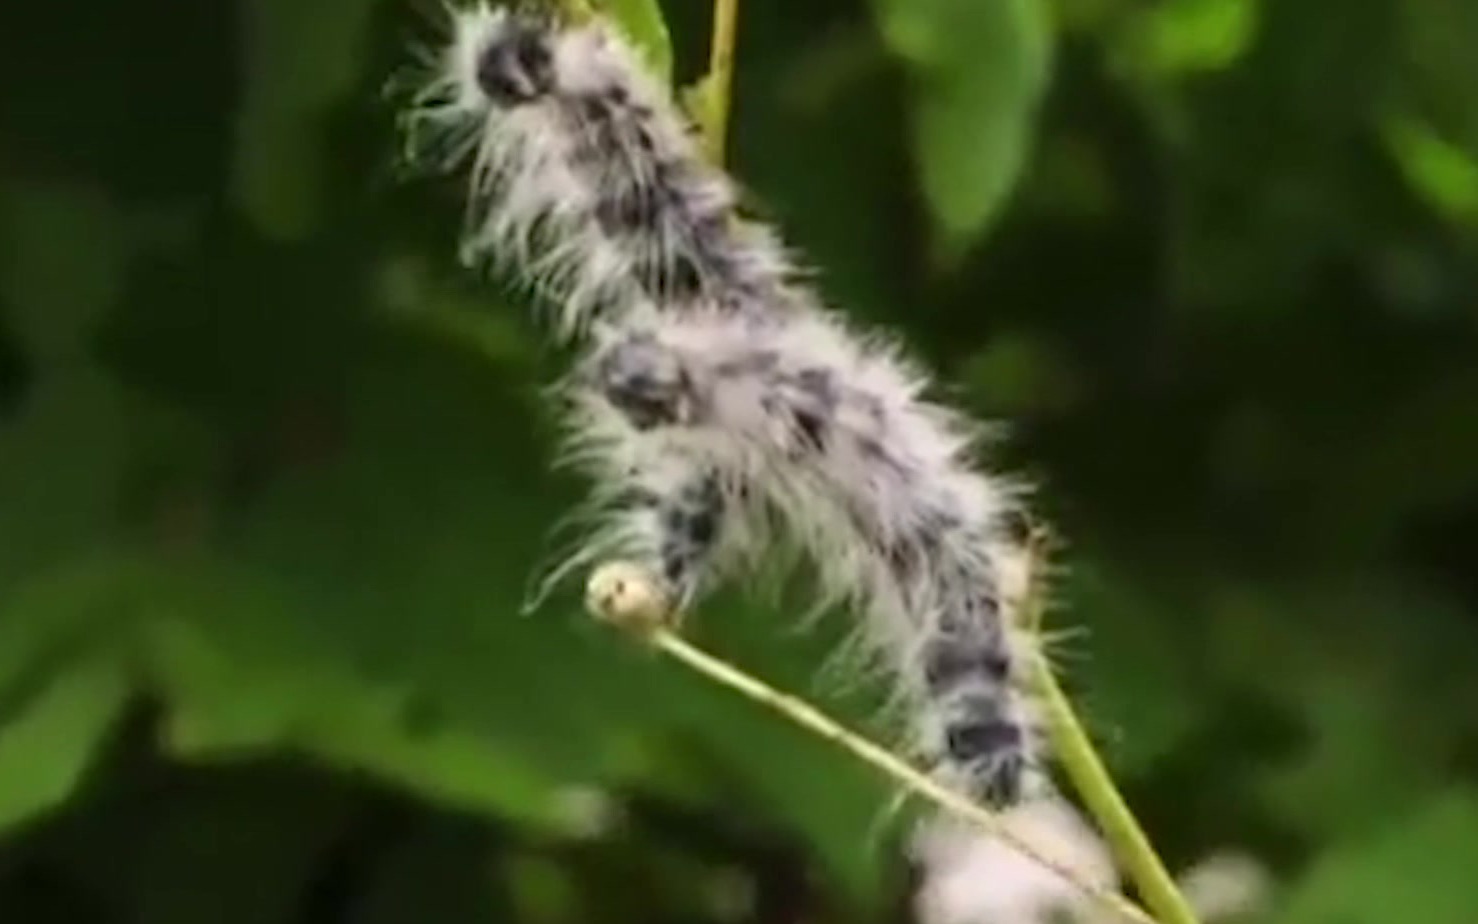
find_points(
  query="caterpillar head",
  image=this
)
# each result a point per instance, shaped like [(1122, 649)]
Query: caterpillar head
[(513, 62), (493, 60), (507, 56)]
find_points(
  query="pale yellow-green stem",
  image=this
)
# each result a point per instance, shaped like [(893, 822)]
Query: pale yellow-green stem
[(622, 594), (812, 719), (1091, 779), (1085, 769), (718, 85)]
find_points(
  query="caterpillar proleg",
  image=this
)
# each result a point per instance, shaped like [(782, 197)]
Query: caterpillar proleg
[(717, 405)]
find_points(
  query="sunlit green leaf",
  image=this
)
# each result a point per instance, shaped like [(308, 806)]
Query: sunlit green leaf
[(643, 21), (1186, 36), (1441, 172), (45, 750)]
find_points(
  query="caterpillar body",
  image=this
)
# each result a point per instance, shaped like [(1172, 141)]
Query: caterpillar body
[(717, 403)]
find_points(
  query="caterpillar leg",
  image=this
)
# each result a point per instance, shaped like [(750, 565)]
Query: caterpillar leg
[(975, 724), (676, 527), (688, 518), (660, 541), (963, 661)]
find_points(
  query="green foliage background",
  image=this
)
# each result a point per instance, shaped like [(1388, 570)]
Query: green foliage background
[(274, 472)]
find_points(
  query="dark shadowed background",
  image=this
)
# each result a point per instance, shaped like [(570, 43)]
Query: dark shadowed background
[(274, 472)]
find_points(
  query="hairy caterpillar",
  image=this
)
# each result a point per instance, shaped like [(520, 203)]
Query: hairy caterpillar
[(717, 403), (583, 177)]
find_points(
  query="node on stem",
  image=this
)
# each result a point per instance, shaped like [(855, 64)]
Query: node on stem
[(623, 594)]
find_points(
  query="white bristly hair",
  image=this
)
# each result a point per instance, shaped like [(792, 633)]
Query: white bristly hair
[(717, 405)]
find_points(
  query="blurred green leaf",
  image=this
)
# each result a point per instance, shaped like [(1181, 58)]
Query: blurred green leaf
[(977, 73), (540, 889), (63, 254), (45, 751), (410, 294), (1369, 670), (1429, 423), (1440, 172), (1364, 761), (1440, 79), (1134, 684), (226, 704), (1017, 374), (1084, 16), (59, 613), (1419, 869), (63, 471), (1188, 36), (301, 58), (643, 22)]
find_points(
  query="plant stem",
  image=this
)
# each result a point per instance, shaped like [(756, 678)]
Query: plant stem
[(812, 719), (1075, 751), (1091, 779), (720, 82)]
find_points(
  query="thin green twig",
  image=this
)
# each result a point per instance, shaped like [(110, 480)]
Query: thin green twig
[(621, 594), (720, 80), (1074, 750), (812, 719), (1092, 781)]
